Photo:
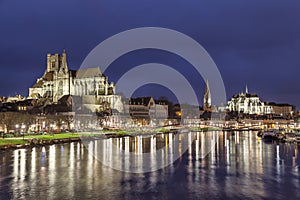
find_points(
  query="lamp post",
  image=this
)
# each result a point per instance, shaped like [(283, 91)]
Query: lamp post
[(17, 127), (51, 129), (63, 126), (43, 126), (23, 130), (78, 125)]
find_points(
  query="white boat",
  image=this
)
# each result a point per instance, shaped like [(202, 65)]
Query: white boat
[(290, 137), (297, 134), (298, 140)]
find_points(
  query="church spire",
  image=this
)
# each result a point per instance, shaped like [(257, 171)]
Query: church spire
[(207, 97), (246, 89)]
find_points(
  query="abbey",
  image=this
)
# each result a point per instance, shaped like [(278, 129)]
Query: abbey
[(59, 81), (249, 104)]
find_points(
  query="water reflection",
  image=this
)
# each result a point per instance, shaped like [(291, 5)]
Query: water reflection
[(150, 153), (238, 165)]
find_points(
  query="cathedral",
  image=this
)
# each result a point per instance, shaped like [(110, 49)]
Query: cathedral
[(90, 84)]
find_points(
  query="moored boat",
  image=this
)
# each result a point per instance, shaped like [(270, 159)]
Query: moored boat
[(259, 134), (268, 136), (298, 140), (290, 137), (280, 136), (297, 135)]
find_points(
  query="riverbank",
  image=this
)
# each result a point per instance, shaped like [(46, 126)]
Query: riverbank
[(49, 139), (40, 140), (29, 141)]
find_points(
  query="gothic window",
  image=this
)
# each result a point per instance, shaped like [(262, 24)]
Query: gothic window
[(60, 88)]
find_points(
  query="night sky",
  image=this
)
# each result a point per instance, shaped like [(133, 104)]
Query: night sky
[(252, 42)]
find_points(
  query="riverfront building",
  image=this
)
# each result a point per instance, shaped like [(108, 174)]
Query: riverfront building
[(248, 104), (147, 111), (90, 84)]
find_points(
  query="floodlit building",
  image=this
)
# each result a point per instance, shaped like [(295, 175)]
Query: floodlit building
[(248, 104), (90, 84), (144, 110)]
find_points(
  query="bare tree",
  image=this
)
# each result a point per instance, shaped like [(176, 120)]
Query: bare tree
[(16, 120)]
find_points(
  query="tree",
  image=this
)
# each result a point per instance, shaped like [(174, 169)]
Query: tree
[(103, 116), (14, 120), (60, 120)]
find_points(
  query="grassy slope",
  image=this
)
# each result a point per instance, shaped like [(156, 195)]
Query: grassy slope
[(12, 141)]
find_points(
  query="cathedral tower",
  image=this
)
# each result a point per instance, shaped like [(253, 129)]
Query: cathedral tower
[(57, 62)]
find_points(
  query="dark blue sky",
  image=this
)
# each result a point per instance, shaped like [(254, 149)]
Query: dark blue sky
[(252, 42)]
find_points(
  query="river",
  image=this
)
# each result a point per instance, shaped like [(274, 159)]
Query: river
[(234, 165)]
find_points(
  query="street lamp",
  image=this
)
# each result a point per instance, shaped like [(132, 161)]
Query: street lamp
[(23, 130), (17, 127), (43, 126), (51, 129)]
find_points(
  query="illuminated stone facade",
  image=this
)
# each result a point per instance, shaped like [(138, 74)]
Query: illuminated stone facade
[(58, 81), (248, 104)]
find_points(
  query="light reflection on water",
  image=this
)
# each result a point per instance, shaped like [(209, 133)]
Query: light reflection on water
[(239, 166)]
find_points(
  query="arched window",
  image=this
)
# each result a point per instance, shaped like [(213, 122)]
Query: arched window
[(60, 88)]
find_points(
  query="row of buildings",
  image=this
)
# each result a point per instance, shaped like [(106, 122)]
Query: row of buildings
[(74, 99), (246, 103), (79, 93)]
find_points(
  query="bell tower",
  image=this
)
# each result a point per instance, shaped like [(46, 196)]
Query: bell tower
[(57, 62)]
